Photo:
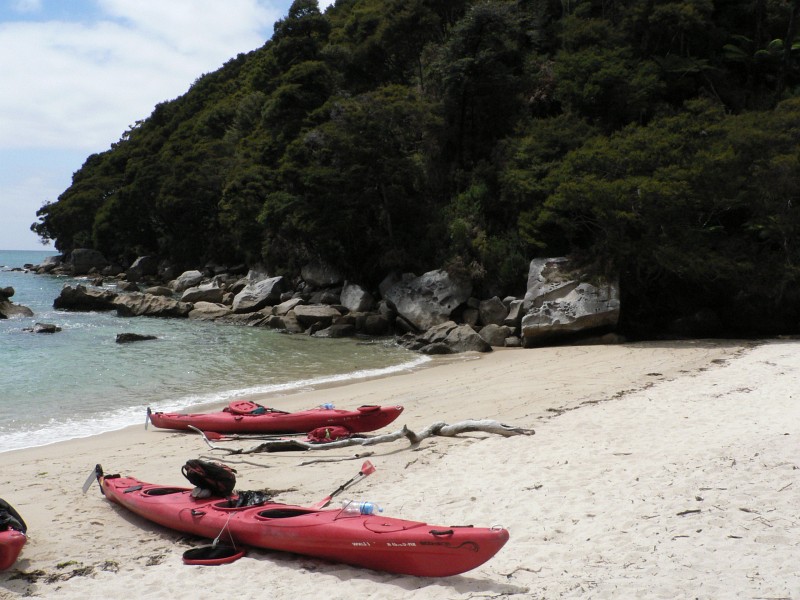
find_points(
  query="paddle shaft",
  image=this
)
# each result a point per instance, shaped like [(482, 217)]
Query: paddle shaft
[(366, 469)]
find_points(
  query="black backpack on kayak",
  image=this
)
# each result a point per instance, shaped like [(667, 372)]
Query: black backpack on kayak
[(10, 519), (219, 479)]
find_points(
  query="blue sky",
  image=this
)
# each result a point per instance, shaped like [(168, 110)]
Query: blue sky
[(76, 74)]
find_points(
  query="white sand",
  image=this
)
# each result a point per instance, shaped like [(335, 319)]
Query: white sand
[(657, 471)]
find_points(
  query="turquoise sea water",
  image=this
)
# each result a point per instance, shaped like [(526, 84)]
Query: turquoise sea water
[(80, 382)]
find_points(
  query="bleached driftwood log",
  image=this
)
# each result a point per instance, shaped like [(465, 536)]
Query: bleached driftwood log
[(440, 428)]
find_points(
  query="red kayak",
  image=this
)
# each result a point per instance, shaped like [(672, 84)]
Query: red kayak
[(248, 417), (12, 535), (371, 541)]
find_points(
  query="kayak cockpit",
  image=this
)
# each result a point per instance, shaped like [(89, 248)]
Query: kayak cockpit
[(284, 513), (162, 491)]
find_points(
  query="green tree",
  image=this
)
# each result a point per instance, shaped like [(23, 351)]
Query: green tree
[(354, 186), (600, 77), (477, 74), (379, 42), (69, 221), (300, 36), (242, 200)]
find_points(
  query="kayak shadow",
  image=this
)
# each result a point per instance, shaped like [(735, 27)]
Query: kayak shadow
[(465, 584), (17, 579)]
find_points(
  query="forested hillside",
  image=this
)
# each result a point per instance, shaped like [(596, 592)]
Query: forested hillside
[(657, 141)]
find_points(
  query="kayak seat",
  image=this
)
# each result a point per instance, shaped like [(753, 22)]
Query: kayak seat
[(163, 491), (244, 499), (283, 513), (243, 407), (246, 407), (226, 505)]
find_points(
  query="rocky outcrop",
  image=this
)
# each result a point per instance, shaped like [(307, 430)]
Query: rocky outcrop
[(127, 338), (464, 339), (432, 313), (112, 270), (356, 299), (50, 263), (209, 311), (147, 305), (252, 319), (515, 312), (259, 294), (284, 307), (287, 323), (85, 260), (159, 290), (10, 310), (496, 335), (320, 275), (206, 292), (429, 299), (142, 267), (337, 330), (186, 280), (127, 286), (373, 325), (559, 304), (43, 328), (82, 298), (320, 315), (446, 338), (492, 311)]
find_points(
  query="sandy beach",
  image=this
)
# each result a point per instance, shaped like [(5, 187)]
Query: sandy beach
[(658, 470)]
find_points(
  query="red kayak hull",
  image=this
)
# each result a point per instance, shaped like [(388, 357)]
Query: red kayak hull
[(363, 419), (370, 541), (11, 543)]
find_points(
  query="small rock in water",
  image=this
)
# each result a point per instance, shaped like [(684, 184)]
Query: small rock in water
[(124, 338), (43, 328)]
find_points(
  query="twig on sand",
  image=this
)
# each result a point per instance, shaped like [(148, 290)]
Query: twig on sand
[(439, 428)]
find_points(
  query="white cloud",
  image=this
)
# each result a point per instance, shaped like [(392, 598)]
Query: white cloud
[(72, 87), (81, 84)]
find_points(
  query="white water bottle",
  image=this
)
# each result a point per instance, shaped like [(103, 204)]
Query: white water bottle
[(328, 406), (352, 507)]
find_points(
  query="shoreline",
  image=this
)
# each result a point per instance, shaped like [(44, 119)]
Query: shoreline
[(627, 437), (211, 401)]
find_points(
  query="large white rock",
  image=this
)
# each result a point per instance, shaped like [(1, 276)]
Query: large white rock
[(259, 294), (186, 280), (557, 303), (429, 299), (355, 298)]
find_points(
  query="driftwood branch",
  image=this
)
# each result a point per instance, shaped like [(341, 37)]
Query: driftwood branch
[(436, 429)]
